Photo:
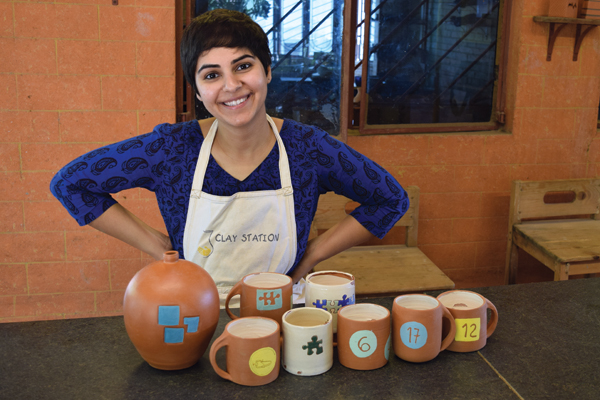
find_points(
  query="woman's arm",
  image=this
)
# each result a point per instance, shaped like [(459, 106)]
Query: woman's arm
[(342, 236), (121, 224)]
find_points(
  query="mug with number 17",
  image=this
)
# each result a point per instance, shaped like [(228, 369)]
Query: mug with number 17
[(470, 312)]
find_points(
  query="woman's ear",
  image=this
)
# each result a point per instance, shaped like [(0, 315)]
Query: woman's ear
[(269, 74), (198, 96)]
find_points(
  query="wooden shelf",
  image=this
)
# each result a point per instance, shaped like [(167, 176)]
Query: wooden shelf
[(558, 23)]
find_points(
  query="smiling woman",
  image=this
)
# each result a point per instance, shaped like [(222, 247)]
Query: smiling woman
[(237, 191)]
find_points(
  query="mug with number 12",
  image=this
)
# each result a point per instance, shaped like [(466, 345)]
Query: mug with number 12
[(469, 310)]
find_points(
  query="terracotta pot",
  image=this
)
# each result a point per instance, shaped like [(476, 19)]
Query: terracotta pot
[(263, 294), (171, 310), (330, 291), (563, 8), (469, 310), (253, 351), (418, 323), (364, 336)]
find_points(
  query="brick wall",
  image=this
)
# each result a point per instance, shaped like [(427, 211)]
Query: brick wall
[(74, 75), (84, 74), (551, 133)]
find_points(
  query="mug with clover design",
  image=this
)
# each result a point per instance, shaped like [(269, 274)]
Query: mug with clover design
[(262, 294), (470, 312), (307, 341), (330, 291), (253, 351), (364, 336), (418, 327)]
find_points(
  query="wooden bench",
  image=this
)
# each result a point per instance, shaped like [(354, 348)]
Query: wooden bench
[(566, 246), (384, 270)]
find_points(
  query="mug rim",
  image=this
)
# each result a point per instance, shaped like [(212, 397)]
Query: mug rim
[(272, 274), (331, 272), (467, 293), (425, 297), (245, 320), (306, 310), (363, 305)]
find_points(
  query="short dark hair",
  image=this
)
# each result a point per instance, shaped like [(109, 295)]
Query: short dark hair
[(221, 28)]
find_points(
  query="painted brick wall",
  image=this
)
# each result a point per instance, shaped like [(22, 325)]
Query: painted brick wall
[(85, 73), (465, 178), (74, 75)]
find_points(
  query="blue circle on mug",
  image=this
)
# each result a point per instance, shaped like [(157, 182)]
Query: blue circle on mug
[(363, 343), (413, 335)]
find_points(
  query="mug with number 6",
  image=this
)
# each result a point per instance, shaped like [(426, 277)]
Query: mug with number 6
[(364, 336), (469, 310), (417, 321)]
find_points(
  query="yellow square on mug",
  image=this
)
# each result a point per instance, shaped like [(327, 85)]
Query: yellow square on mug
[(467, 329)]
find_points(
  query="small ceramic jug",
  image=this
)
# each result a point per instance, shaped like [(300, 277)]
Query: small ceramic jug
[(330, 291), (469, 310), (364, 336), (171, 311), (263, 294), (418, 321), (252, 351), (307, 341)]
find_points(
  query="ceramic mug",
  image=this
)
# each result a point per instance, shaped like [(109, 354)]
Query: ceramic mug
[(253, 351), (307, 341), (469, 310), (263, 294), (417, 326), (364, 336), (330, 291)]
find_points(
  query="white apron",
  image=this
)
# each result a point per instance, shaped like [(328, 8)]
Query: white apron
[(233, 236)]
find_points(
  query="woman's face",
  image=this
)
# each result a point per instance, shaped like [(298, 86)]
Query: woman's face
[(232, 84)]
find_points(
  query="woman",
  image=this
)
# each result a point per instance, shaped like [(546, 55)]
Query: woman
[(238, 191)]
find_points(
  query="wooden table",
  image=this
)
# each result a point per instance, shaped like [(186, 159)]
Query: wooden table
[(547, 345)]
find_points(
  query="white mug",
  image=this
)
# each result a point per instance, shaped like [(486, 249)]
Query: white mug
[(330, 291), (307, 341)]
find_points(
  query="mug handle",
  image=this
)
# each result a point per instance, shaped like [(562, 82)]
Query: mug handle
[(234, 291), (450, 336), (491, 327), (221, 341)]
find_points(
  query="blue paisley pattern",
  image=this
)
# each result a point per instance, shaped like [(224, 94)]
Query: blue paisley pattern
[(164, 162)]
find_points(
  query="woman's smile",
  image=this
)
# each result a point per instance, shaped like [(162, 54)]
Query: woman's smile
[(239, 101)]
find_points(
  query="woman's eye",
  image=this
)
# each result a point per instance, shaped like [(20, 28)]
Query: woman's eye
[(244, 66), (210, 75)]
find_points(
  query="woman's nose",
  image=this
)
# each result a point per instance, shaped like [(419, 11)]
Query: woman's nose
[(232, 83)]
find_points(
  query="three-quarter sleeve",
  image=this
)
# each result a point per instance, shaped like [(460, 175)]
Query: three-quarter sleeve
[(345, 171), (84, 185)]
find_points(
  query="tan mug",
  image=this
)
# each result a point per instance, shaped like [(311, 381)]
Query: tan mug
[(263, 294), (330, 291), (307, 341), (253, 351), (469, 310), (364, 336), (418, 321)]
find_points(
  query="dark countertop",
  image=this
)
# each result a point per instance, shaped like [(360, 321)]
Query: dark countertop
[(546, 345)]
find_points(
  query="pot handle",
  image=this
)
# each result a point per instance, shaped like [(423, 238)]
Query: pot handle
[(237, 289), (221, 341), (452, 334), (491, 326)]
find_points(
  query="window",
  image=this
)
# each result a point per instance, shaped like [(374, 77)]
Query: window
[(432, 65)]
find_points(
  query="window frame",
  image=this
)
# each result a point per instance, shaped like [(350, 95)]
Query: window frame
[(348, 67)]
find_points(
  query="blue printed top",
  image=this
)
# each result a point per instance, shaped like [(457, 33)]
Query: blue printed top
[(164, 162)]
